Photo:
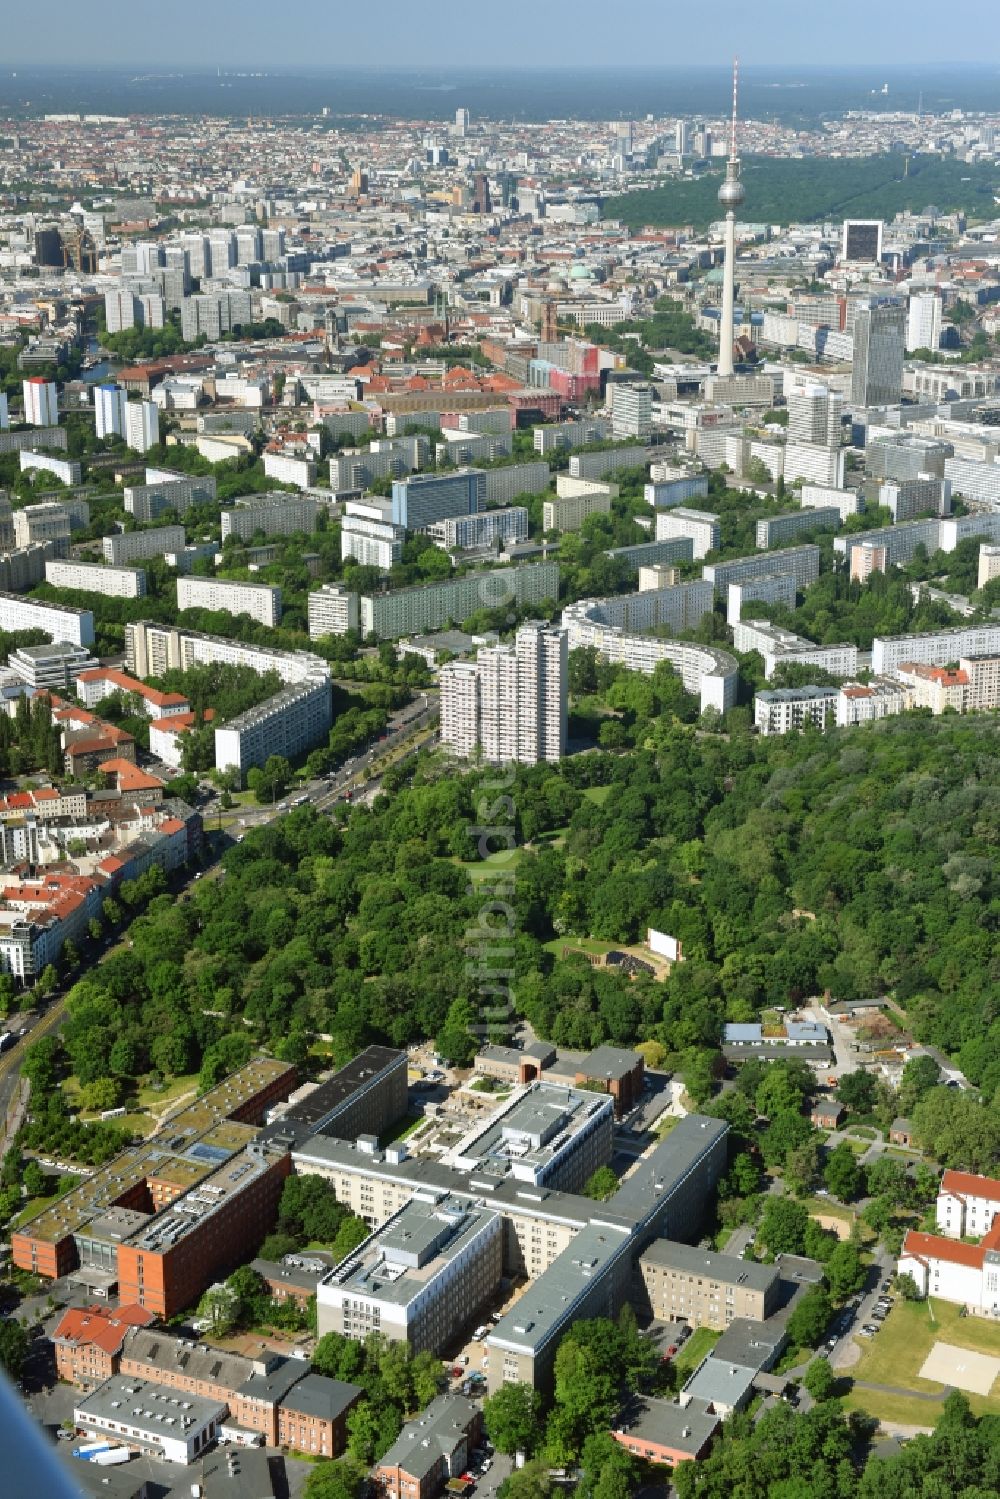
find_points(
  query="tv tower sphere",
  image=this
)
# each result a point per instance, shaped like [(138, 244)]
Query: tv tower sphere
[(732, 193)]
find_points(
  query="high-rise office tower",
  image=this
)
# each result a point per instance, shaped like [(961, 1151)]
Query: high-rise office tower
[(110, 402), (462, 121), (682, 138), (512, 703), (814, 415), (923, 321), (41, 402), (731, 195), (862, 240), (879, 348), (481, 200)]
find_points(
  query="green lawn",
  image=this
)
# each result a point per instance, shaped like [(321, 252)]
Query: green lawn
[(701, 1342), (401, 1129), (895, 1354), (482, 869), (597, 794), (153, 1098), (583, 944)]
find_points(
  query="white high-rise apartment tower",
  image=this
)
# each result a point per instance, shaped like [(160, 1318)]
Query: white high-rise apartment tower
[(41, 402), (142, 425), (110, 402), (731, 195), (923, 321), (814, 415), (512, 702)]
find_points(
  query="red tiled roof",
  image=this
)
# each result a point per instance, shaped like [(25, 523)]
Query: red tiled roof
[(937, 1247), (102, 1326), (965, 1184), (130, 777)]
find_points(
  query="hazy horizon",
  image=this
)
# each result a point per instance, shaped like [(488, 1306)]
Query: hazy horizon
[(560, 33)]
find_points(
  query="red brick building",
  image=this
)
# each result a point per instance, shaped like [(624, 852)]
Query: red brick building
[(88, 1342)]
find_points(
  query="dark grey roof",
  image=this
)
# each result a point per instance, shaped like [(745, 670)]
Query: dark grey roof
[(324, 1102), (750, 1344), (234, 1473), (424, 1441), (274, 1385), (778, 1051), (658, 1174), (194, 1360), (318, 1396), (274, 1270), (611, 1062), (684, 1428), (724, 1267)]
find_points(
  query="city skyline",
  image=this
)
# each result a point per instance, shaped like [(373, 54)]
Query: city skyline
[(561, 34)]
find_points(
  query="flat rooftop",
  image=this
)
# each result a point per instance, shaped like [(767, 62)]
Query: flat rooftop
[(323, 1104), (190, 1211), (399, 1261), (547, 1305), (659, 1173), (524, 1138), (423, 1172), (192, 1145), (154, 1410)]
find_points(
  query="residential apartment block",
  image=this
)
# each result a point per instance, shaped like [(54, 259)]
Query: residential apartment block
[(700, 525), (665, 493), (512, 704), (259, 600), (786, 709), (152, 649), (92, 577), (935, 647), (653, 553), (777, 529), (58, 621), (505, 484), (164, 490), (575, 499), (333, 610), (778, 646), (604, 624), (419, 610), (290, 468), (820, 496), (292, 722), (556, 437), (489, 528), (49, 521), (771, 588), (133, 546), (608, 461), (369, 535), (801, 561), (279, 514), (704, 1289)]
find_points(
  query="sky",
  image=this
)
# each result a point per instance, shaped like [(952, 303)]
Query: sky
[(442, 33)]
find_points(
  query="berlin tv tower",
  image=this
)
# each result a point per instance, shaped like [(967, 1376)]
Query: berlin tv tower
[(731, 195)]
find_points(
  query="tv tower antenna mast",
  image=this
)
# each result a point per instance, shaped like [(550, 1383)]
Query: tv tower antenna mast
[(731, 196)]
